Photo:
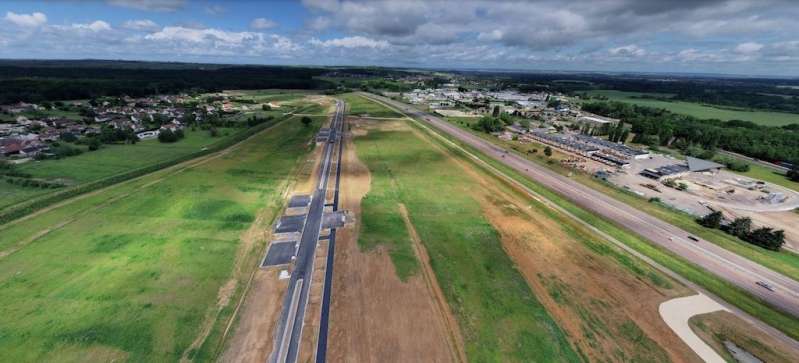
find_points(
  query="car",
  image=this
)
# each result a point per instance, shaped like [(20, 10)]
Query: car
[(765, 285), (692, 238)]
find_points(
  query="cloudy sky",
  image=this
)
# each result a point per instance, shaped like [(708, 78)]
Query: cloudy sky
[(719, 36)]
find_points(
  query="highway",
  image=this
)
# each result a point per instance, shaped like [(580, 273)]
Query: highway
[(738, 270), (289, 328)]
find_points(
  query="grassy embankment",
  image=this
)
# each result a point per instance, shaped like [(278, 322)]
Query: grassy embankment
[(133, 272), (734, 295), (766, 118), (500, 318), (359, 106)]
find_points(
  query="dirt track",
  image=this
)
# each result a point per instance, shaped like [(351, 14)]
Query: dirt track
[(375, 317)]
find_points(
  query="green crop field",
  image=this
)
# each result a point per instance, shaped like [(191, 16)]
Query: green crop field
[(500, 318), (133, 272), (359, 106), (701, 111)]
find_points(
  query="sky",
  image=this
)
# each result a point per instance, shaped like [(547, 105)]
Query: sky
[(749, 37)]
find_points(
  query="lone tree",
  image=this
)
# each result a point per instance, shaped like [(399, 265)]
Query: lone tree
[(306, 121), (711, 220), (548, 151), (740, 227)]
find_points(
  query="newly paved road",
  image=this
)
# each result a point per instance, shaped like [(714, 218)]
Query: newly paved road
[(737, 270), (289, 332)]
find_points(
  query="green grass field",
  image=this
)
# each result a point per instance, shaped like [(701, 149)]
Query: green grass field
[(130, 273), (699, 110), (119, 158), (784, 262), (359, 106), (109, 160), (500, 318)]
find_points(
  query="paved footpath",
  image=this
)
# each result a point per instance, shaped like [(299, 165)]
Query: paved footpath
[(676, 313)]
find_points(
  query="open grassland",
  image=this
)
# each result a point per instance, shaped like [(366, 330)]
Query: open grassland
[(500, 318), (695, 274), (145, 270), (701, 111), (785, 262), (741, 299), (109, 160), (116, 159), (360, 106)]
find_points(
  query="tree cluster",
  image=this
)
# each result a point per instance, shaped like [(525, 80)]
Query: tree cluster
[(659, 127), (765, 237)]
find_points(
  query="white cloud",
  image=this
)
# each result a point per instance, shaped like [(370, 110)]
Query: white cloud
[(27, 20), (96, 26), (352, 42), (262, 23), (149, 5), (748, 48), (140, 24), (179, 33)]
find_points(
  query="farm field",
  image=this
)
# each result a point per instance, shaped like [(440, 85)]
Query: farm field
[(697, 110), (148, 270), (559, 282), (359, 106)]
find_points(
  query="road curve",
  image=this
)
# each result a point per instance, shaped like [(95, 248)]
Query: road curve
[(738, 270)]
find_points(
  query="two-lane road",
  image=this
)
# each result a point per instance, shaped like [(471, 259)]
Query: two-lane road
[(290, 325), (738, 270)]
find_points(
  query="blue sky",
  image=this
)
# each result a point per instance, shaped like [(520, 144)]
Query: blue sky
[(718, 36)]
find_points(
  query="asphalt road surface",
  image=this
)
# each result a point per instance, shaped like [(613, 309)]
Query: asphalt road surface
[(289, 331), (738, 270)]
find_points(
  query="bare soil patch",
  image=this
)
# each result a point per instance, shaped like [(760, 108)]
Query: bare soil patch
[(608, 312), (253, 338), (375, 317)]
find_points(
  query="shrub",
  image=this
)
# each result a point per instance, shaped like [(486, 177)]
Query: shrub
[(711, 220)]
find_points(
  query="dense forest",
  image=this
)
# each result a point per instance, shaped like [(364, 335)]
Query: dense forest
[(748, 93), (654, 126), (33, 82)]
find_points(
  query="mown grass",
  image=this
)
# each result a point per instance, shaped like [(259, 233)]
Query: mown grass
[(361, 106), (701, 111), (499, 317), (138, 267)]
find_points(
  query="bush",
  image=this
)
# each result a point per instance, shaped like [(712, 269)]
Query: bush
[(306, 121), (548, 151), (166, 135), (711, 220)]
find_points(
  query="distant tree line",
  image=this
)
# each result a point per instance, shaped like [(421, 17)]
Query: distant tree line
[(765, 237), (39, 84), (658, 127)]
